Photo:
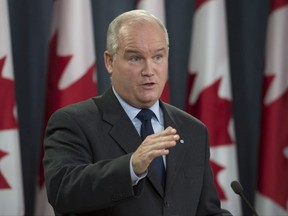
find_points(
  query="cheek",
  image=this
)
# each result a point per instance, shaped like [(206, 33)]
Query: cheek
[(163, 72), (130, 72), (125, 76)]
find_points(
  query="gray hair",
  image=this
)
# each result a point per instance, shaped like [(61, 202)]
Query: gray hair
[(127, 18)]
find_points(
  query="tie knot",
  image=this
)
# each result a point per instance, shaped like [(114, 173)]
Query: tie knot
[(145, 114)]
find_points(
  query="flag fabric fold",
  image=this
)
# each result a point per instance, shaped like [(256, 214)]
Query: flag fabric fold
[(155, 7), (272, 194), (209, 95), (71, 71), (11, 185)]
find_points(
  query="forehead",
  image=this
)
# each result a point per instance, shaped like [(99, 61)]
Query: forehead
[(142, 35)]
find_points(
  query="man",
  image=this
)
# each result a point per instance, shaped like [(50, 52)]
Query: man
[(95, 160)]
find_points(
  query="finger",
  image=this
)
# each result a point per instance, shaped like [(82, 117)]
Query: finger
[(157, 153), (165, 133), (165, 144), (168, 131), (159, 138)]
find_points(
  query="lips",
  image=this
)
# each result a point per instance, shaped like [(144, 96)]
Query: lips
[(148, 85)]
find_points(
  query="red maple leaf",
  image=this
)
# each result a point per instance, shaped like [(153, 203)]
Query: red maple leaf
[(7, 119), (216, 170), (276, 4), (7, 100), (82, 89), (199, 3), (56, 98), (273, 175), (3, 183), (166, 93), (213, 111)]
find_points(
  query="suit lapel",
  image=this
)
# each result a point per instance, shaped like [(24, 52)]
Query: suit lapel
[(114, 114), (119, 133), (121, 125), (175, 158)]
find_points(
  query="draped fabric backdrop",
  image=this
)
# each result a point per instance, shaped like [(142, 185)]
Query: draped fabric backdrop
[(210, 97), (272, 193), (11, 184), (71, 69), (246, 23)]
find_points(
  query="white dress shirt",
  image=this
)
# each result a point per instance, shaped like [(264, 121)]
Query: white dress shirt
[(157, 124)]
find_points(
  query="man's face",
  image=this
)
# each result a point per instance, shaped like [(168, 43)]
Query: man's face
[(139, 69)]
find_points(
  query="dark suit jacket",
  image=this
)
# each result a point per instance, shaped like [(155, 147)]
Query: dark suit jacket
[(88, 147)]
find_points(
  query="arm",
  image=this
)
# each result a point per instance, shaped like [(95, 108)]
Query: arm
[(75, 181)]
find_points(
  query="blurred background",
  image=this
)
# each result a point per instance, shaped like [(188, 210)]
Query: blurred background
[(232, 46)]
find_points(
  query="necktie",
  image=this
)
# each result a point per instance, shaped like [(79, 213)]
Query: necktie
[(156, 167)]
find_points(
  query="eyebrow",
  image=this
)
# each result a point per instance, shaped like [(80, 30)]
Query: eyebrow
[(131, 51), (139, 52)]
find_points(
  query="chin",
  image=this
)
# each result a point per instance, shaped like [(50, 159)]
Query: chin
[(150, 102), (149, 98)]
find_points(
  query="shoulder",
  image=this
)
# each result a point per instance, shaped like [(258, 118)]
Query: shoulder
[(180, 115), (86, 105), (92, 108), (91, 105), (80, 112)]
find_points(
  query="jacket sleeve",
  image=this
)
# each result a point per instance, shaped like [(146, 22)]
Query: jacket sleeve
[(74, 182)]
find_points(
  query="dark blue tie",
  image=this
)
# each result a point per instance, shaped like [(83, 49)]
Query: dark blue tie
[(156, 167)]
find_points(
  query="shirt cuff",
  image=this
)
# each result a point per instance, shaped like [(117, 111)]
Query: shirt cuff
[(135, 178)]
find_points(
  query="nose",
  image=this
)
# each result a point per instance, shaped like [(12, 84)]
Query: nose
[(148, 69)]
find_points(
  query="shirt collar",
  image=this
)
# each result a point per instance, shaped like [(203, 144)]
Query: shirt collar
[(133, 111)]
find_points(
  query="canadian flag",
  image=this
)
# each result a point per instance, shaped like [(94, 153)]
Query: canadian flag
[(72, 63), (157, 8), (272, 196), (11, 186), (209, 94)]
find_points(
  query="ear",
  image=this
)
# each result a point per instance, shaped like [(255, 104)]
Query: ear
[(108, 60)]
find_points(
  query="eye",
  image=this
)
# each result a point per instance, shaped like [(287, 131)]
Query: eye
[(158, 58), (134, 58)]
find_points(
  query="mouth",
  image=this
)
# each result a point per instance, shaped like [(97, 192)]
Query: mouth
[(149, 85)]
